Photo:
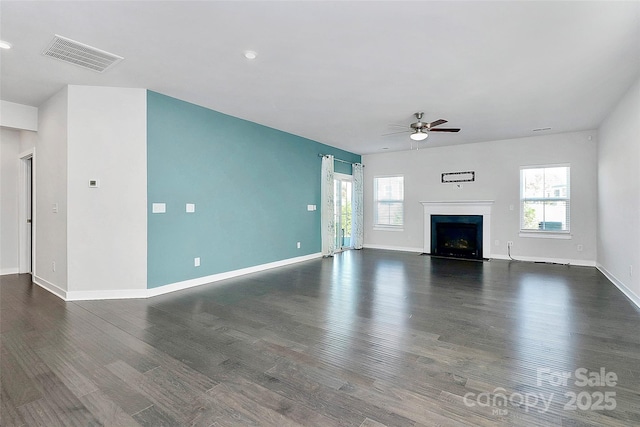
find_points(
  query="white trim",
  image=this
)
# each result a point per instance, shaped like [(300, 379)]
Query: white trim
[(576, 262), (6, 271), (635, 299), (104, 294), (545, 235), (546, 165), (172, 287), (393, 248), (459, 202), (388, 228), (23, 255), (48, 286), (458, 207), (29, 153), (342, 176)]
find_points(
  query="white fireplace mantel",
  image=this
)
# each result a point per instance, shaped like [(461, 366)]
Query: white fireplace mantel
[(459, 207)]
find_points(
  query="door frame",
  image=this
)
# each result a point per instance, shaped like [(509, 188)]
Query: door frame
[(341, 177), (26, 209)]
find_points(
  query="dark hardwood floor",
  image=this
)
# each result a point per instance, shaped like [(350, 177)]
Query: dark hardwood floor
[(368, 338)]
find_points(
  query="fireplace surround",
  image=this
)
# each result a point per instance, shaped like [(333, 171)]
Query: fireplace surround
[(475, 208)]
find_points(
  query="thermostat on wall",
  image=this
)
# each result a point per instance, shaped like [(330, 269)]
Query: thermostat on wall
[(94, 183)]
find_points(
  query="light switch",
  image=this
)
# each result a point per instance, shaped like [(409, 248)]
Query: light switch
[(159, 208), (191, 207), (54, 208)]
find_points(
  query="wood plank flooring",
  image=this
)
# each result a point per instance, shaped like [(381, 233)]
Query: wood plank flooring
[(367, 338)]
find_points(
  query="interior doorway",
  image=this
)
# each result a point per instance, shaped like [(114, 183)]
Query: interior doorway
[(343, 193), (26, 210)]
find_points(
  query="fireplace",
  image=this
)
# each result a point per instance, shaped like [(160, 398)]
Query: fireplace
[(461, 208), (456, 236)]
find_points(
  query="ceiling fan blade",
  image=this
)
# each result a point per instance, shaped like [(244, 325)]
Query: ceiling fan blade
[(395, 133), (444, 130), (436, 123), (397, 125)]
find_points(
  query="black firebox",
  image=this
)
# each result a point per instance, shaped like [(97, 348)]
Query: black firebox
[(456, 236)]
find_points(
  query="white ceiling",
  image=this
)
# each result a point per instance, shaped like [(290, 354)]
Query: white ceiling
[(343, 73)]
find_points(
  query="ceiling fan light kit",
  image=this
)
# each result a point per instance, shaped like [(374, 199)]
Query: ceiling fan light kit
[(418, 135)]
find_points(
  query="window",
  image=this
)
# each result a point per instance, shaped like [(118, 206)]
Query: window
[(544, 199), (389, 201)]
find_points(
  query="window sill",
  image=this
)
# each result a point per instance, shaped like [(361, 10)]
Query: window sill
[(546, 235), (380, 228)]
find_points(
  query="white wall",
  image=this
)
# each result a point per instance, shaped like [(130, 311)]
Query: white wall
[(18, 116), (619, 194), (497, 167), (14, 140), (9, 169), (107, 226), (28, 140), (51, 188)]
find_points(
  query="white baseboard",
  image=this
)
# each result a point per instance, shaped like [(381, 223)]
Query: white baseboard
[(172, 287), (577, 262), (6, 271), (46, 285), (394, 248), (618, 284), (107, 294)]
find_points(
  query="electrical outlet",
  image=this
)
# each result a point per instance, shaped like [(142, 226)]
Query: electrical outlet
[(298, 245), (580, 248), (509, 244), (631, 271), (53, 266), (196, 262), (497, 242)]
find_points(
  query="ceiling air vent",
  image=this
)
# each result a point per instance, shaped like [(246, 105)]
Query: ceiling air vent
[(79, 54)]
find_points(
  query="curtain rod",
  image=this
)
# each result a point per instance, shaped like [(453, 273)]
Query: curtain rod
[(340, 160)]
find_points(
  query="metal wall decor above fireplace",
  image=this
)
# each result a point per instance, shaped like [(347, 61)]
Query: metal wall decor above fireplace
[(468, 176)]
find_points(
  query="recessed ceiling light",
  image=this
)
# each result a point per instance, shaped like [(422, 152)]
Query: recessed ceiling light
[(249, 54), (5, 45)]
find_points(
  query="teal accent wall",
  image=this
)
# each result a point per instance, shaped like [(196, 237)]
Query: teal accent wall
[(251, 185)]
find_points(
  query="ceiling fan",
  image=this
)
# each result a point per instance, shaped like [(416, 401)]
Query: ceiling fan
[(420, 130)]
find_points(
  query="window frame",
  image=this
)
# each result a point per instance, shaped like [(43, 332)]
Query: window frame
[(376, 224), (552, 234)]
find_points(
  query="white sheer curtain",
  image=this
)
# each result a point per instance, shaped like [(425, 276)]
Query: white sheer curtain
[(327, 214), (357, 225)]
